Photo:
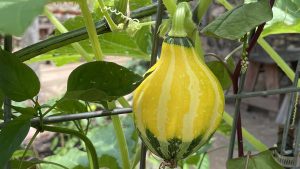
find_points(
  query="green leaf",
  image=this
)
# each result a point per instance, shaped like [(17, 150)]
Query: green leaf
[(105, 142), (237, 22), (11, 137), (17, 80), (224, 128), (101, 81), (221, 72), (32, 163), (17, 15), (135, 4), (57, 59), (73, 159), (263, 160), (285, 20), (19, 153), (112, 44), (71, 106), (29, 111)]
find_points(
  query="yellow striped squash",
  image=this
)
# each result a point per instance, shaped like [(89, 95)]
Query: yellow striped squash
[(179, 105)]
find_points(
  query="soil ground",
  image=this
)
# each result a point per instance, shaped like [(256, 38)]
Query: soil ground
[(261, 124)]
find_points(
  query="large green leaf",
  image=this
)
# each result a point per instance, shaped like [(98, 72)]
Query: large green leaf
[(101, 81), (17, 15), (286, 18), (17, 80), (237, 22), (263, 160), (112, 44), (11, 136)]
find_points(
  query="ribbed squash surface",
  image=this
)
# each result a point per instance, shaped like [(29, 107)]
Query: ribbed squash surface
[(179, 105)]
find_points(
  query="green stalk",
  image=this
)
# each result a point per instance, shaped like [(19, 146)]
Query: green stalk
[(27, 147), (170, 5), (202, 8), (124, 103), (226, 4), (91, 29), (60, 27), (115, 119), (182, 13), (120, 137), (279, 61), (258, 145), (92, 155), (106, 15)]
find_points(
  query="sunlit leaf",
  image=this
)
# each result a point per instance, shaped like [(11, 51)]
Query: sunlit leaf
[(237, 22), (17, 15)]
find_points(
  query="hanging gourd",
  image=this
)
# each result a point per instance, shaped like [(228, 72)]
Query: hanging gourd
[(179, 105)]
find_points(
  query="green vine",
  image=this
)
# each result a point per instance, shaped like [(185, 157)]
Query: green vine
[(91, 29), (92, 155), (60, 27), (120, 137), (109, 20), (258, 145)]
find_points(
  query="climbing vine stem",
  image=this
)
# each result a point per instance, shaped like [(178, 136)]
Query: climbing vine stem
[(106, 15), (61, 28), (91, 29), (92, 155)]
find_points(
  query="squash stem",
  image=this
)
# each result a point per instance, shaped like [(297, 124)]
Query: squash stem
[(170, 5), (178, 21)]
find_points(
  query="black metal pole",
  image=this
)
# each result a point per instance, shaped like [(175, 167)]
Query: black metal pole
[(7, 101)]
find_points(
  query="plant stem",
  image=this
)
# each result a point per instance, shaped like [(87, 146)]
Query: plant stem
[(51, 108), (120, 137), (258, 145), (92, 155), (60, 27), (109, 20), (279, 61), (27, 147), (202, 8), (91, 29), (226, 4), (170, 5), (147, 23), (181, 14), (124, 103)]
